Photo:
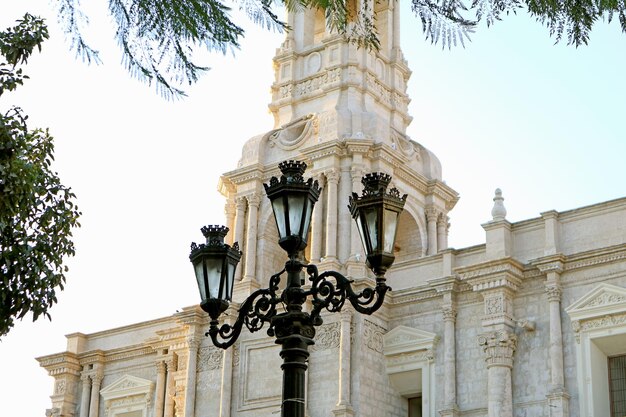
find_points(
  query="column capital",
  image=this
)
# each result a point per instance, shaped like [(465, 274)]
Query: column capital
[(241, 203), (554, 292), (449, 313), (499, 348), (160, 365), (85, 378), (432, 213), (254, 200), (346, 314), (332, 176), (171, 363), (229, 209), (357, 173), (97, 377), (193, 342)]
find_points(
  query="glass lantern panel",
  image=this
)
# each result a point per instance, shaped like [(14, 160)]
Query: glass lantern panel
[(296, 207), (371, 218), (279, 214), (390, 220), (359, 226), (214, 275), (307, 220), (199, 270), (228, 290)]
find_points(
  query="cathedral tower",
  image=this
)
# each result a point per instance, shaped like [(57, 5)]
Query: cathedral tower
[(344, 111)]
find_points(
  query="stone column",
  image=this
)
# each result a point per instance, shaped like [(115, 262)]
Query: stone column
[(332, 177), (449, 358), (442, 232), (344, 407), (356, 247), (499, 347), (317, 226), (170, 388), (190, 389), (431, 217), (160, 389), (253, 209), (229, 212), (94, 403), (240, 218), (558, 398), (227, 381), (344, 223), (84, 397)]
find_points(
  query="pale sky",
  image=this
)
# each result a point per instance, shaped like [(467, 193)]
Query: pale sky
[(545, 123)]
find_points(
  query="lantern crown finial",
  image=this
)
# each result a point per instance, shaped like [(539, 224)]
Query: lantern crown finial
[(375, 183), (292, 169), (214, 234)]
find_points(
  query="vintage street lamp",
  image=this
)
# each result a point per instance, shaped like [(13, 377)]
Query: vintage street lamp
[(214, 263), (376, 213)]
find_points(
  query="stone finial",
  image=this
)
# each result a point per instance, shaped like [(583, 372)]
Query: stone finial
[(498, 212)]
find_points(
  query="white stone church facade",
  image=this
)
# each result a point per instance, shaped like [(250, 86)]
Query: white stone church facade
[(530, 323)]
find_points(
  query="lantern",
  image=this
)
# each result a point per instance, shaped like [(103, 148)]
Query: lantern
[(292, 200), (214, 264), (376, 214)]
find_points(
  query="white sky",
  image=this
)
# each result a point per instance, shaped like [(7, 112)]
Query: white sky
[(543, 122)]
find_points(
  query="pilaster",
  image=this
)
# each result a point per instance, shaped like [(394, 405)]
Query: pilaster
[(552, 267), (432, 214), (254, 201), (240, 218), (66, 369), (499, 348), (317, 224), (448, 287), (96, 383), (497, 282), (332, 179)]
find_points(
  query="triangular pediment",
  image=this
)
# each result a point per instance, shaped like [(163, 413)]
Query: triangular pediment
[(403, 339), (126, 386), (605, 299)]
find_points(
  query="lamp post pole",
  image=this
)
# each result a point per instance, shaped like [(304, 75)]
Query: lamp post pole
[(376, 213)]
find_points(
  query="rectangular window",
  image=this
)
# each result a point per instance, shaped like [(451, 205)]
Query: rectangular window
[(415, 407), (617, 385)]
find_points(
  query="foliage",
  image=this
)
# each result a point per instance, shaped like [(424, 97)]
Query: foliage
[(37, 212), (159, 38), (574, 19)]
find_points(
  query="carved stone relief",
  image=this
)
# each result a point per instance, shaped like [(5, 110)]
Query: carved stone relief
[(328, 336), (209, 358), (373, 336)]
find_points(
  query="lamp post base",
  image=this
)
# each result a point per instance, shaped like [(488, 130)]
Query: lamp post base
[(294, 332)]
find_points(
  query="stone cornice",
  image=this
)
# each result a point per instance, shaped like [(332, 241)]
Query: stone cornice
[(191, 316), (60, 363), (412, 295), (496, 224), (92, 356), (501, 273), (324, 149), (244, 174), (596, 257), (550, 263), (445, 284), (443, 191), (360, 146)]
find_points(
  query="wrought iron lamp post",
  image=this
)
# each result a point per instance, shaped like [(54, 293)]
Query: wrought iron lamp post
[(376, 214)]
